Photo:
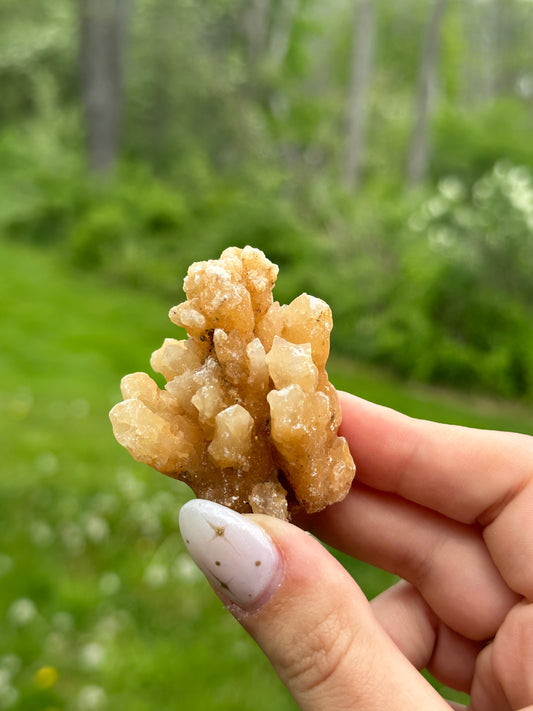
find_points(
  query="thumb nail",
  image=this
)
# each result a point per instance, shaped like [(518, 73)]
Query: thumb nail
[(236, 555)]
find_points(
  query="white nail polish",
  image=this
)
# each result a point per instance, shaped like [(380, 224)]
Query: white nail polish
[(235, 554)]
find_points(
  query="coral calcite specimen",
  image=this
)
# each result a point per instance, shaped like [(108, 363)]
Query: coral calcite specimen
[(248, 416)]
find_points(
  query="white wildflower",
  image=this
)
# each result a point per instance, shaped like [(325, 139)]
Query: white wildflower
[(156, 575), (109, 583), (80, 408), (96, 529), (22, 612), (11, 663), (8, 696), (130, 487), (185, 570), (451, 188), (55, 643), (73, 538), (46, 463), (92, 656), (63, 621), (144, 514), (41, 534), (91, 698)]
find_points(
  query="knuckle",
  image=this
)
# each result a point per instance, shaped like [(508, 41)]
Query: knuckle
[(516, 633), (512, 657), (319, 653)]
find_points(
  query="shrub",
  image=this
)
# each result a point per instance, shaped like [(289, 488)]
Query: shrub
[(473, 253)]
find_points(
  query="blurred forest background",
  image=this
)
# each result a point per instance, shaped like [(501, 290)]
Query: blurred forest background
[(380, 152)]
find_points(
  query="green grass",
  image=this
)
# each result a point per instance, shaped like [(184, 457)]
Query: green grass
[(96, 588)]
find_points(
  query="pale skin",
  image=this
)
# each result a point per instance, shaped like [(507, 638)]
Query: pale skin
[(449, 510)]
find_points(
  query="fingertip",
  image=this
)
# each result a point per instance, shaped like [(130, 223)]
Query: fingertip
[(237, 556), (320, 633)]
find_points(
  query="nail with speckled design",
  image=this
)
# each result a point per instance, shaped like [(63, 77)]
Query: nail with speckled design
[(235, 554)]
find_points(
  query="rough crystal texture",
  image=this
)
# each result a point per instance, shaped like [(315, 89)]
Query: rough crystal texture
[(248, 416)]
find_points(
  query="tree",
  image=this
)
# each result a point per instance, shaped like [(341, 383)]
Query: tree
[(102, 32), (280, 35), (360, 71), (419, 151), (255, 21)]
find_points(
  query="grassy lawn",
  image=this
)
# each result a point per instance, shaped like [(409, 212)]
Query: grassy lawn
[(100, 606)]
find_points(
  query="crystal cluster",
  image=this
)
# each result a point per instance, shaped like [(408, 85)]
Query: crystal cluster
[(248, 417)]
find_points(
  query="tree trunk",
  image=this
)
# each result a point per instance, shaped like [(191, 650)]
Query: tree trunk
[(256, 24), (102, 30), (281, 31), (419, 152), (360, 71), (481, 69)]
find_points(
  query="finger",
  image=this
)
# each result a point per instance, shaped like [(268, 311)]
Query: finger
[(509, 538), (473, 476), (445, 559), (464, 473), (504, 674), (424, 639), (307, 614)]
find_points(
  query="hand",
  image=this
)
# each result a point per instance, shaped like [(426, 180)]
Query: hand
[(450, 510)]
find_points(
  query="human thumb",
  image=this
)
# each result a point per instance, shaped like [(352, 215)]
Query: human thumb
[(305, 612)]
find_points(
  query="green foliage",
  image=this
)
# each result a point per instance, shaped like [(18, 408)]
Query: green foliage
[(435, 285), (460, 309), (234, 133), (36, 45), (470, 141)]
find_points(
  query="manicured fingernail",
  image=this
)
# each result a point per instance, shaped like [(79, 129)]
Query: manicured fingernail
[(235, 554)]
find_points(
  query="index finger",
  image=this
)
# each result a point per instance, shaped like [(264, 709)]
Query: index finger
[(467, 474)]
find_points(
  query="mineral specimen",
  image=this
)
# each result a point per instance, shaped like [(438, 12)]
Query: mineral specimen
[(248, 417)]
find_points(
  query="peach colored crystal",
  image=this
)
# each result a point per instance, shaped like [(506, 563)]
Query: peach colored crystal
[(248, 417)]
